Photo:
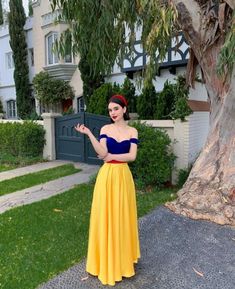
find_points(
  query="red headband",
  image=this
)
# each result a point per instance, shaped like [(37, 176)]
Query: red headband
[(120, 97)]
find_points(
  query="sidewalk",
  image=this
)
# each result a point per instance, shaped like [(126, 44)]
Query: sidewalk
[(176, 253), (46, 190)]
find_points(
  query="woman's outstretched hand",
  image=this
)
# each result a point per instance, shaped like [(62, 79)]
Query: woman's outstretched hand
[(82, 129)]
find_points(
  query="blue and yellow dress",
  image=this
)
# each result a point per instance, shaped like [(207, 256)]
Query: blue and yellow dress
[(113, 245)]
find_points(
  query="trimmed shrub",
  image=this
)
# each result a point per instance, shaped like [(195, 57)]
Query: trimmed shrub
[(128, 90), (155, 160), (146, 103), (22, 139), (172, 101), (98, 103), (165, 101)]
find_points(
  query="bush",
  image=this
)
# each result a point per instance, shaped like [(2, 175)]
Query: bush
[(34, 116), (128, 90), (181, 108), (165, 101), (155, 159), (98, 102), (146, 103), (172, 101), (50, 90), (26, 140), (182, 176)]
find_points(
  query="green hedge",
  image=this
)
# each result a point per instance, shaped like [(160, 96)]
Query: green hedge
[(155, 159), (22, 139)]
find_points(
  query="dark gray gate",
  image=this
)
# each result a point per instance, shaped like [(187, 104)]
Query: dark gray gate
[(71, 145)]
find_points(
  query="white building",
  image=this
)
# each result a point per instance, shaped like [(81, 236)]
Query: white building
[(41, 32), (192, 134), (7, 84)]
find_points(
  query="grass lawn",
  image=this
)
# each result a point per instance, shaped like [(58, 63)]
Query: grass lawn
[(8, 162), (32, 179), (40, 240), (7, 167)]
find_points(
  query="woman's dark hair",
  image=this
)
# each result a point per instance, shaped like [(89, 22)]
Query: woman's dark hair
[(120, 99)]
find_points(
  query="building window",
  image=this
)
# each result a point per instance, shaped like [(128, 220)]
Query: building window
[(31, 57), (52, 56), (68, 58), (11, 109), (80, 104), (9, 60)]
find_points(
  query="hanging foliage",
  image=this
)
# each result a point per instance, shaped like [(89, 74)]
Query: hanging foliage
[(50, 90)]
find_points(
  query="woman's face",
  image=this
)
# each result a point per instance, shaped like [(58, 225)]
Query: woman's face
[(116, 111)]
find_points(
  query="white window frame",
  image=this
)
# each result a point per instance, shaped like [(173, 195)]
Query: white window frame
[(9, 60), (31, 57), (11, 109), (51, 57), (70, 58), (80, 107)]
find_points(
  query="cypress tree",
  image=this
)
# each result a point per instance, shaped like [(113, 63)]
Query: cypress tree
[(30, 8), (90, 81), (1, 14), (18, 45)]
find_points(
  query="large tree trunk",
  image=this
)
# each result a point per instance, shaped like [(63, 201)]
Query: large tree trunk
[(209, 192)]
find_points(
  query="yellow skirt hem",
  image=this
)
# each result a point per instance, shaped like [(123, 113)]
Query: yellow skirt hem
[(117, 280)]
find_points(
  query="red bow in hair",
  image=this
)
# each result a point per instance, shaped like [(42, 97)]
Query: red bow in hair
[(120, 97)]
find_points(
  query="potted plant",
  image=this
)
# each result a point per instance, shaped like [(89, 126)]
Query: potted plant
[(51, 92)]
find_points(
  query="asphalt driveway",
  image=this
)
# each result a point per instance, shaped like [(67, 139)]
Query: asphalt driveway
[(176, 253)]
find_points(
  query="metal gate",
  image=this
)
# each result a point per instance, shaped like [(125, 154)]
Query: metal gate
[(71, 145)]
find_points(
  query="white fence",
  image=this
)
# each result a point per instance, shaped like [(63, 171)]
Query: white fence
[(187, 139)]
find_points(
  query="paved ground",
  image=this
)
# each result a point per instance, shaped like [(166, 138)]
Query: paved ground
[(46, 190), (177, 253)]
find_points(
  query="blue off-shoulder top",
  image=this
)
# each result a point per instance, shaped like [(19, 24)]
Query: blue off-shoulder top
[(116, 147)]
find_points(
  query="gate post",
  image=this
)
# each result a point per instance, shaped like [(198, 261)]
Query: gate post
[(49, 151)]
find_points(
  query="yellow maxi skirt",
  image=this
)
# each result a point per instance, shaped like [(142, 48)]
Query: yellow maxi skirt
[(113, 245)]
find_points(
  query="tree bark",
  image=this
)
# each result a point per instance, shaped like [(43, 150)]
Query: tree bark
[(209, 192)]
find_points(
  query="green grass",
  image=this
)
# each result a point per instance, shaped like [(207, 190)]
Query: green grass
[(7, 167), (32, 179), (40, 240), (9, 162), (148, 201)]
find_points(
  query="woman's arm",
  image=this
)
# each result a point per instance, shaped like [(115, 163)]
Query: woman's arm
[(128, 157), (99, 147)]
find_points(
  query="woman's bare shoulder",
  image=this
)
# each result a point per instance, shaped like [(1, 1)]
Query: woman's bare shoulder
[(105, 128), (133, 131)]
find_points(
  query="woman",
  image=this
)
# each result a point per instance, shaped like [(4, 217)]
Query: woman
[(113, 246)]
